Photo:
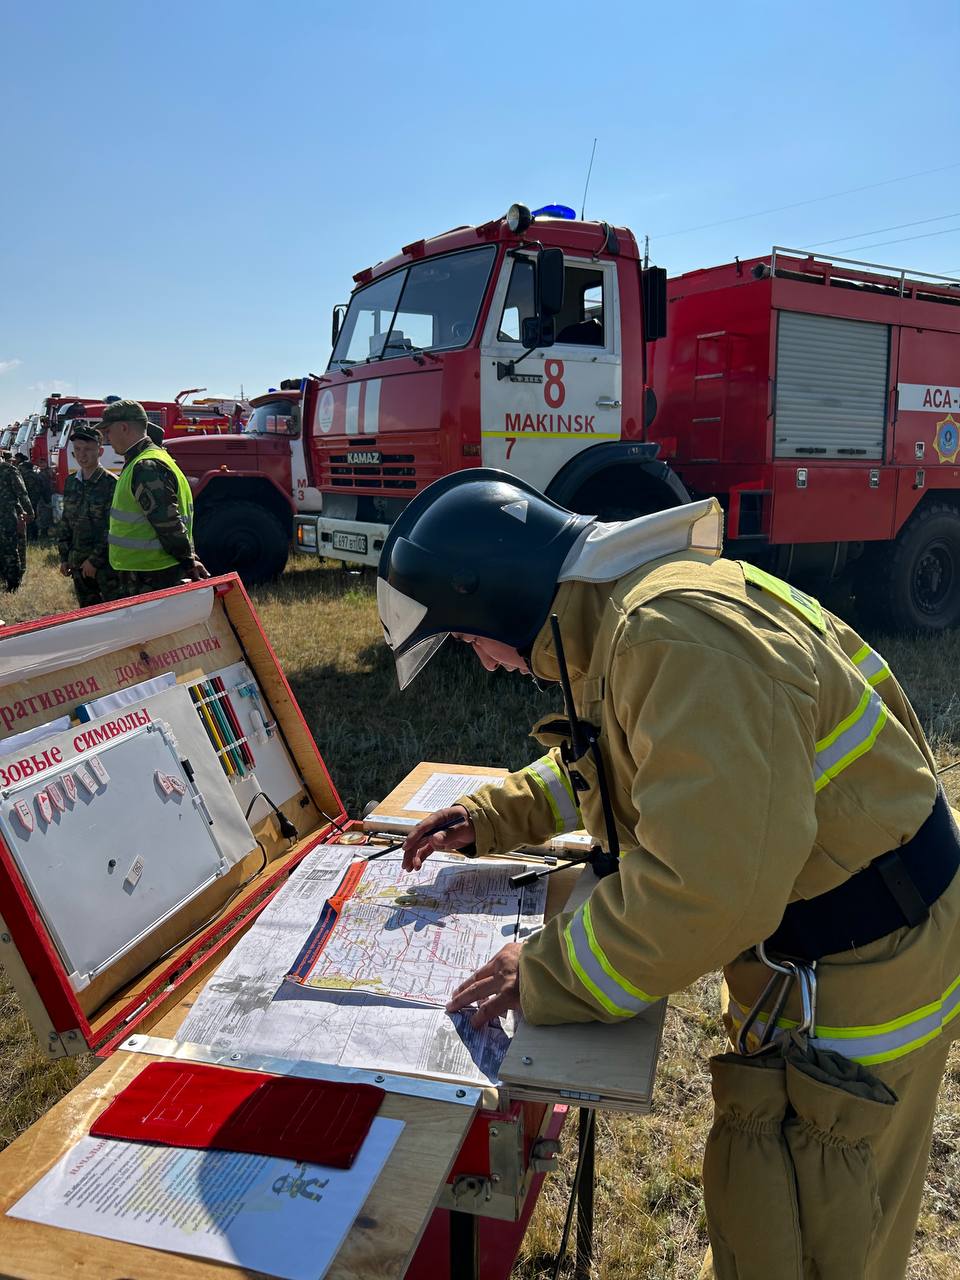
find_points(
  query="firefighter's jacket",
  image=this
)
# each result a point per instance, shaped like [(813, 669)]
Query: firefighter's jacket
[(757, 751)]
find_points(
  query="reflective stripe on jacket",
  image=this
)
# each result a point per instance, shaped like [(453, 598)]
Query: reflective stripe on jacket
[(757, 751), (134, 545)]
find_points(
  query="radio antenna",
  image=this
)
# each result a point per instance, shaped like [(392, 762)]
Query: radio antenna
[(583, 207)]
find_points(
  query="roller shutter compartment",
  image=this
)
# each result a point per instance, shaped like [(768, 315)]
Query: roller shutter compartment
[(831, 387)]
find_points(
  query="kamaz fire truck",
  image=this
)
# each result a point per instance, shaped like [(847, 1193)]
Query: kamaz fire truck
[(816, 398)]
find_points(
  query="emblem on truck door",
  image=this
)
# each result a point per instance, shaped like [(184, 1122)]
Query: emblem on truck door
[(325, 411), (947, 439)]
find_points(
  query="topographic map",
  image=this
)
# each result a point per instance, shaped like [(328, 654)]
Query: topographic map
[(410, 937), (251, 1003)]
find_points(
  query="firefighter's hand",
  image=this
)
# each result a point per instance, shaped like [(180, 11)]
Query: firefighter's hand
[(65, 571), (494, 989), (88, 569), (425, 838)]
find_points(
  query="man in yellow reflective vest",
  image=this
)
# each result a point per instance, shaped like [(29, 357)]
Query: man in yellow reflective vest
[(151, 519), (768, 784)]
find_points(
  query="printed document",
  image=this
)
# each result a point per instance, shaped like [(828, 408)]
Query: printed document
[(382, 985), (285, 1218), (443, 789)]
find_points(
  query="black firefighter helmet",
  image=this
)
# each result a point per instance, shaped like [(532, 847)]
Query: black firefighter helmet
[(478, 552)]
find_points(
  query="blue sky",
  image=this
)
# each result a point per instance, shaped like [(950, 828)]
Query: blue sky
[(187, 188)]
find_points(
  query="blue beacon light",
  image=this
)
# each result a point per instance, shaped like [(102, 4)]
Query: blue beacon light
[(555, 211)]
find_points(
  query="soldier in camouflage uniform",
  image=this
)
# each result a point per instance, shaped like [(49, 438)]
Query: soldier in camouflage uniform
[(161, 493), (82, 532), (15, 510), (39, 490)]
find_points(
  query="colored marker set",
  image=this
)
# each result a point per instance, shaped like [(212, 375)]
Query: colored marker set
[(216, 711)]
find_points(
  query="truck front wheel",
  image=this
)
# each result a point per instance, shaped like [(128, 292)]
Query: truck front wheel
[(244, 537), (914, 581)]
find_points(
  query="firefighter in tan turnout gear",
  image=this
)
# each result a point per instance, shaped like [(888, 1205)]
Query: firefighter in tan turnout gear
[(772, 795)]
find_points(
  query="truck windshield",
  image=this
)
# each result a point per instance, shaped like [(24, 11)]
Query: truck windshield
[(429, 306), (276, 418)]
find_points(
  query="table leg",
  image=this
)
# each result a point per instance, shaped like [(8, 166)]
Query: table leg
[(586, 1141), (464, 1246)]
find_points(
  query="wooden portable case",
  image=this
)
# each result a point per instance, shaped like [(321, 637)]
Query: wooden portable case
[(50, 667)]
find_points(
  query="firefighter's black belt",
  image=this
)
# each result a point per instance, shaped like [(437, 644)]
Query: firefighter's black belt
[(895, 891)]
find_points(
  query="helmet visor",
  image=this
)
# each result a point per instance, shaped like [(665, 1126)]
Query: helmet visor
[(411, 663), (400, 616)]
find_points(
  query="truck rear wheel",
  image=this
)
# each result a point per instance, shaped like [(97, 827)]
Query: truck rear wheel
[(244, 537), (913, 584)]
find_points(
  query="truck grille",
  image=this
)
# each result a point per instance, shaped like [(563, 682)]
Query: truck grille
[(393, 471)]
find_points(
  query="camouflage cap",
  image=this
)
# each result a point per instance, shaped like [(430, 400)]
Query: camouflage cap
[(86, 433), (124, 411)]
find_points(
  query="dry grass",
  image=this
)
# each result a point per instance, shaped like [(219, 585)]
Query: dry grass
[(322, 622)]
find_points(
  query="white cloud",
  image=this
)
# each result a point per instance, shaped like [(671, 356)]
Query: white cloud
[(7, 365), (52, 384)]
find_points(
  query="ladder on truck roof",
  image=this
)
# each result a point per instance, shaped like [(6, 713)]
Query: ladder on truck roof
[(852, 273)]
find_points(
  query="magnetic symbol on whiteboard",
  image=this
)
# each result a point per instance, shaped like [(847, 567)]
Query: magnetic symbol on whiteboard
[(88, 784), (132, 878), (70, 787), (25, 814), (55, 792), (44, 806), (98, 770)]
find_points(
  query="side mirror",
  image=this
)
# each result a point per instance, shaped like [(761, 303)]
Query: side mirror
[(537, 332), (337, 320), (549, 282)]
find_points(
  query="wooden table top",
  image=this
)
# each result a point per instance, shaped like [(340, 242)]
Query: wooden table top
[(378, 1246)]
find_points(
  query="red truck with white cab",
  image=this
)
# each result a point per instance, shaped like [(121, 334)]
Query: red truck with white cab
[(816, 398)]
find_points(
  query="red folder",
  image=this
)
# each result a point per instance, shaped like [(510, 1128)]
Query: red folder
[(186, 1105)]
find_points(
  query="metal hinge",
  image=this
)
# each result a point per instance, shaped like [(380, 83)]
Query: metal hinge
[(543, 1155)]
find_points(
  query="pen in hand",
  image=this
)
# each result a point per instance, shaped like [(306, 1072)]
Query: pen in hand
[(392, 848)]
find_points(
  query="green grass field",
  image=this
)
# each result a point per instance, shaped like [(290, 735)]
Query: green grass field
[(322, 622)]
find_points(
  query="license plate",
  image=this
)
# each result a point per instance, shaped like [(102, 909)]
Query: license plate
[(369, 458), (350, 542)]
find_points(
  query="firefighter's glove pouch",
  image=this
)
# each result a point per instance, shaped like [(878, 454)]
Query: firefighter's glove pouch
[(789, 1179), (836, 1110), (749, 1186)]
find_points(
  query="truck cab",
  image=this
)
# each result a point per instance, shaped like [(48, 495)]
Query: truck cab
[(518, 344), (243, 486)]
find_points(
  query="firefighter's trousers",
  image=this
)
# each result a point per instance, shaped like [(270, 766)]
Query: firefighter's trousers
[(835, 1197)]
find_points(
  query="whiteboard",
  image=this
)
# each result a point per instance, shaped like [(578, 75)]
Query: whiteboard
[(118, 839)]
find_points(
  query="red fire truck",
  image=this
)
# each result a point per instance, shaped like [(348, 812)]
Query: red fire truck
[(247, 486), (812, 396), (52, 446)]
